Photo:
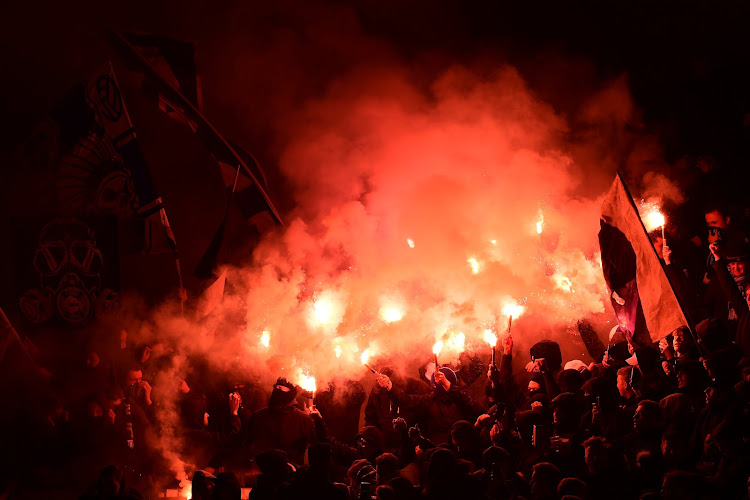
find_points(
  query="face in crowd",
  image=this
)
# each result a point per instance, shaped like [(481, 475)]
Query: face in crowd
[(716, 222)]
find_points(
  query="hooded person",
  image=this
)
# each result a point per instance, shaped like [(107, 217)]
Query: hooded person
[(438, 411), (282, 425), (732, 273), (275, 475)]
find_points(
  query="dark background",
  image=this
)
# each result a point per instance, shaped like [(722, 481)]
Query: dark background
[(687, 66)]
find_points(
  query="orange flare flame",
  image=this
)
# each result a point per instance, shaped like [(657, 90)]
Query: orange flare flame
[(265, 338), (458, 341), (390, 314), (490, 338), (474, 263), (307, 382), (651, 215), (437, 347)]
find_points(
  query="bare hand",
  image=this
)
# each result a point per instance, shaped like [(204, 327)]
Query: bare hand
[(495, 435), (111, 416), (536, 405), (399, 424), (540, 365), (146, 391), (507, 343), (384, 381), (234, 403), (663, 345), (594, 413), (313, 411), (715, 251), (667, 254), (441, 380), (605, 359), (530, 366)]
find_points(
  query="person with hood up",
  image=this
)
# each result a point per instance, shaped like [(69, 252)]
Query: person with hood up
[(282, 425), (438, 411), (732, 272)]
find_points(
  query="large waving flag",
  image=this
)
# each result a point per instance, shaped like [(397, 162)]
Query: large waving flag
[(170, 77), (643, 298)]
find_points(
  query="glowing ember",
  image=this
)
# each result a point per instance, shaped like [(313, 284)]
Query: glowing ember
[(390, 314), (474, 263), (307, 382), (410, 242), (540, 222), (458, 341), (651, 215), (494, 242), (490, 338), (265, 338), (337, 350)]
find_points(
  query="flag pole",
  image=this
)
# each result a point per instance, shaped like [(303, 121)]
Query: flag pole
[(690, 324)]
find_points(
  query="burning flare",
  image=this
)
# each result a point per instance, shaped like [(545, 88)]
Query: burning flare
[(651, 215), (323, 311), (562, 282), (390, 314), (265, 339), (365, 358), (307, 382), (437, 347), (513, 309), (490, 338), (410, 242), (458, 341), (540, 222), (474, 263)]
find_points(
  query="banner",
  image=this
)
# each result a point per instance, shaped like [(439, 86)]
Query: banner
[(638, 285)]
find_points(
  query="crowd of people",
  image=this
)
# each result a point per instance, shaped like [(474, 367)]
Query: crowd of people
[(666, 420)]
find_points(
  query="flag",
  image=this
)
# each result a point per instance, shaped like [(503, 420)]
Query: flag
[(100, 165), (105, 98), (162, 82), (211, 296), (638, 285), (209, 259)]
